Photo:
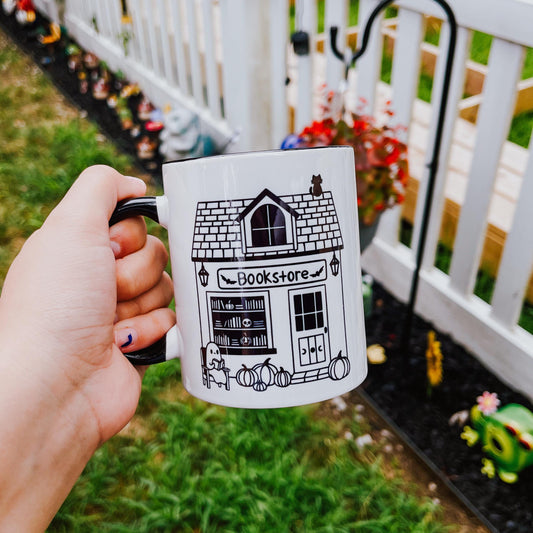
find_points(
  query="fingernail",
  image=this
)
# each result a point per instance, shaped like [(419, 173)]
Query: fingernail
[(138, 181), (125, 337)]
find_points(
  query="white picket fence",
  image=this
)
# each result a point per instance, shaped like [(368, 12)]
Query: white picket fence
[(229, 61)]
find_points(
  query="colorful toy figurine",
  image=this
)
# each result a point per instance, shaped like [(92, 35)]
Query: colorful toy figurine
[(25, 14), (74, 58), (506, 435), (144, 109)]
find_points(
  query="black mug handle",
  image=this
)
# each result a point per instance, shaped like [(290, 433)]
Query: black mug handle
[(131, 207)]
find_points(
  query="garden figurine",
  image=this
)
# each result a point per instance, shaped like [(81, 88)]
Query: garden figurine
[(74, 55), (146, 148), (144, 109), (182, 137), (506, 435), (83, 82), (25, 13), (101, 89)]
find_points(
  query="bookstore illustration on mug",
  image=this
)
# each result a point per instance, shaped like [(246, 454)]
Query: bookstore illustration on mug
[(270, 290)]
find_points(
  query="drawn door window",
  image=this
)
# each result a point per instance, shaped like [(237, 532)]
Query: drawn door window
[(268, 226), (309, 317), (240, 325)]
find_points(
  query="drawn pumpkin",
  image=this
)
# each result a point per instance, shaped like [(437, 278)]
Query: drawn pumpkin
[(283, 378), (266, 372), (339, 367), (246, 377), (260, 386)]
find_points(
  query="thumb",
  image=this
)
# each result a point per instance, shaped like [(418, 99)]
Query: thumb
[(94, 195)]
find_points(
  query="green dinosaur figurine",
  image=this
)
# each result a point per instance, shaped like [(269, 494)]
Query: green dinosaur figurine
[(507, 439)]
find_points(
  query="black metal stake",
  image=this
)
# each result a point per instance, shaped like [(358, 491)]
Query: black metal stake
[(433, 165)]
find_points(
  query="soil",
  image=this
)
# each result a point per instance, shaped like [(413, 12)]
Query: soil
[(398, 389), (411, 427)]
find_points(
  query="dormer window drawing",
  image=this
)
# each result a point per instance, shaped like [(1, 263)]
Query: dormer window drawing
[(268, 224)]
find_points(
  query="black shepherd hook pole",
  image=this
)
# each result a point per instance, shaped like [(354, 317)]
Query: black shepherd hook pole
[(433, 165)]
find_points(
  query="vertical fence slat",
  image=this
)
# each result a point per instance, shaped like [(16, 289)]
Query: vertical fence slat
[(165, 41), (306, 20), (179, 47), (236, 95), (517, 259), (369, 64), (279, 29), (99, 16), (405, 72), (211, 66), (119, 28), (88, 12), (152, 37), (104, 22), (113, 20), (194, 53), (505, 63), (138, 30), (455, 95), (336, 15)]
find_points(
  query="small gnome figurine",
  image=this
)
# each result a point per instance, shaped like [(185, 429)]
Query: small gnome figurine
[(146, 148), (74, 60), (144, 109), (25, 14)]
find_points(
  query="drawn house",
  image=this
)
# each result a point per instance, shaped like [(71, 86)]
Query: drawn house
[(258, 261)]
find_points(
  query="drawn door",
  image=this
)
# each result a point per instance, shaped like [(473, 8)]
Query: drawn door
[(309, 320)]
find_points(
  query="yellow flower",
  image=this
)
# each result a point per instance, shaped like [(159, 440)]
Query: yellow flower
[(434, 360)]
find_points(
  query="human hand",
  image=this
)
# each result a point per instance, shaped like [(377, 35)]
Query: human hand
[(77, 291)]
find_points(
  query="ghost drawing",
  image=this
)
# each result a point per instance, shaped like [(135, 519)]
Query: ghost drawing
[(215, 370)]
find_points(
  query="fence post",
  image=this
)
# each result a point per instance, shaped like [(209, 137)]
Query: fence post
[(246, 60)]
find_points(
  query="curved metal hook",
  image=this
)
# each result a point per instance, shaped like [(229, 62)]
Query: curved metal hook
[(334, 30)]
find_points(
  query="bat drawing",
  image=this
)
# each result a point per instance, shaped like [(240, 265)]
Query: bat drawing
[(318, 272), (227, 280)]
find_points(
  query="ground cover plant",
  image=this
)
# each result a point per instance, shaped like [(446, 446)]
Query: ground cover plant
[(182, 465)]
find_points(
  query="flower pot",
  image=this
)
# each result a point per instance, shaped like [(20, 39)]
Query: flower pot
[(366, 233)]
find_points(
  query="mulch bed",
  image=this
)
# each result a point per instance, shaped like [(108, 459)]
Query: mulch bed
[(397, 388)]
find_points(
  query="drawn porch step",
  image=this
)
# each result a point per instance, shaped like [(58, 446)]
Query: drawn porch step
[(310, 375)]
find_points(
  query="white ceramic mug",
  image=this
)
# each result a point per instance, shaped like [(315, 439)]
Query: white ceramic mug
[(264, 248)]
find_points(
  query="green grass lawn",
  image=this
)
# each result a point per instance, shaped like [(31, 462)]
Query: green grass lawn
[(187, 466), (181, 464)]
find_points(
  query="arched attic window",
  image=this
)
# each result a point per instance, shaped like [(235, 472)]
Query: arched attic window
[(268, 226)]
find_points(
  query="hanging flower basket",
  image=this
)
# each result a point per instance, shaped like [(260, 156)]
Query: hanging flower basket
[(381, 165)]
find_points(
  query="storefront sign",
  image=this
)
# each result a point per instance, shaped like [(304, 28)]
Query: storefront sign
[(272, 276)]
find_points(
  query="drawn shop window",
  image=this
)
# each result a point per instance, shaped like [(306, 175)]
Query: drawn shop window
[(240, 325), (308, 311)]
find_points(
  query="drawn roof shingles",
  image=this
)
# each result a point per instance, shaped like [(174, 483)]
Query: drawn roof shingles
[(217, 231)]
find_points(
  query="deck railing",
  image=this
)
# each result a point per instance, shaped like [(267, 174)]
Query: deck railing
[(231, 62)]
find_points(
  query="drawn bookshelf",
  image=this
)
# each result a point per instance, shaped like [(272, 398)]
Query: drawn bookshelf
[(240, 324)]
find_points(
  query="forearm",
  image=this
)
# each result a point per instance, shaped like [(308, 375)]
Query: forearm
[(47, 438)]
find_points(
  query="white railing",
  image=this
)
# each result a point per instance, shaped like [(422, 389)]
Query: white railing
[(228, 60)]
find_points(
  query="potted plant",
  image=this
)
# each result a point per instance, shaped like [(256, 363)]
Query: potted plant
[(381, 165)]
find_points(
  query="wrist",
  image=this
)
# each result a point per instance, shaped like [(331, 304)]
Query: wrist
[(48, 436)]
